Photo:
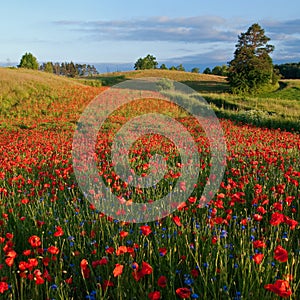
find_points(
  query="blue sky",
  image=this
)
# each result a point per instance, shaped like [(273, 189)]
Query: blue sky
[(190, 31)]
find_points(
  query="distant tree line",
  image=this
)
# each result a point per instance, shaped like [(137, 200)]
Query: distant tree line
[(289, 70), (217, 70), (29, 61), (69, 69), (150, 62)]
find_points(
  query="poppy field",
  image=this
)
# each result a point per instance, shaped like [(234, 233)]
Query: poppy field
[(54, 244)]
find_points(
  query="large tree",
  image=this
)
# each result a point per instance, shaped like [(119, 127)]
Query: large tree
[(252, 70), (28, 61), (147, 62)]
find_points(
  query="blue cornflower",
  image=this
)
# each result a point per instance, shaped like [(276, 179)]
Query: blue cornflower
[(188, 281)]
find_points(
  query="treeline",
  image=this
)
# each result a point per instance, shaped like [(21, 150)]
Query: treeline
[(289, 70), (217, 70), (69, 69)]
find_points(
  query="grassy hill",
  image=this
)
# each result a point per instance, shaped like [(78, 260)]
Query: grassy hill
[(27, 95), (280, 108), (32, 98)]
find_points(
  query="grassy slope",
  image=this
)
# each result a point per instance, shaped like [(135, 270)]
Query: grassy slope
[(284, 102), (29, 98), (21, 89)]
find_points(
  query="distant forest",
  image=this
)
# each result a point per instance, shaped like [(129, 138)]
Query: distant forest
[(69, 69), (289, 70)]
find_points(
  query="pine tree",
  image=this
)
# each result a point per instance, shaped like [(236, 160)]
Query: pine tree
[(252, 70)]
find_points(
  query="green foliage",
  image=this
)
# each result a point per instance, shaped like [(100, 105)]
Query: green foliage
[(195, 70), (289, 70), (260, 119), (163, 67), (165, 84), (147, 62), (28, 61), (91, 82), (220, 70), (180, 68), (173, 68), (252, 69), (207, 71), (48, 67), (69, 69)]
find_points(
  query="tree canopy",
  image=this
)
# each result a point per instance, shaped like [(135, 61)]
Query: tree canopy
[(252, 70), (147, 62), (29, 61), (289, 70)]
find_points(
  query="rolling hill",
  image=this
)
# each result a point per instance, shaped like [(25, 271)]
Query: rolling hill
[(27, 96)]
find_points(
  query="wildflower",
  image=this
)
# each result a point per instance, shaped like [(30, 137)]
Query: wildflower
[(85, 271), (280, 287), (145, 230), (183, 293), (59, 231), (53, 250), (259, 244), (258, 258), (176, 220), (34, 241), (3, 287), (118, 270), (280, 254), (162, 281), (162, 251)]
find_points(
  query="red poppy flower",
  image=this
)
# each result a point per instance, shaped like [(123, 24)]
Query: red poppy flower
[(145, 229), (278, 206), (280, 287), (276, 219), (34, 241), (162, 281), (27, 252), (53, 250), (280, 254), (121, 250), (118, 270), (39, 280), (69, 280), (32, 263), (25, 201), (146, 268), (123, 234), (183, 293), (214, 239), (11, 255), (259, 244), (110, 250), (154, 295), (59, 231), (85, 271), (176, 220), (292, 223), (3, 287), (258, 258), (162, 251), (22, 265), (257, 217)]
